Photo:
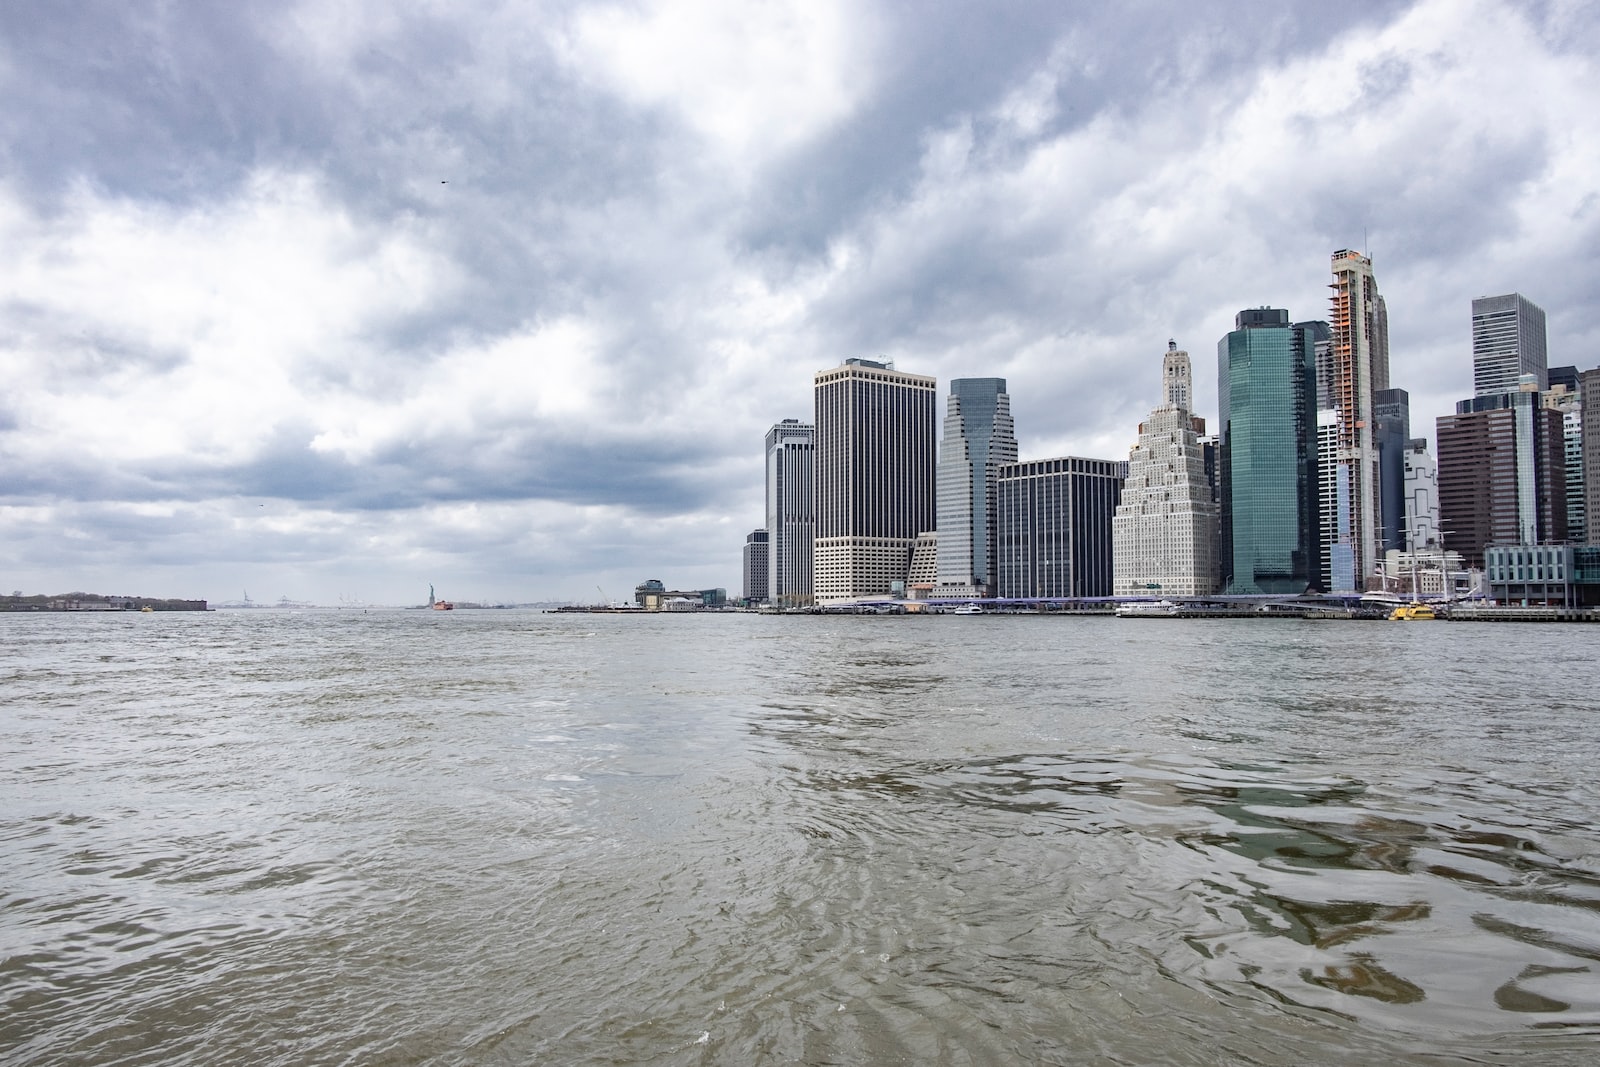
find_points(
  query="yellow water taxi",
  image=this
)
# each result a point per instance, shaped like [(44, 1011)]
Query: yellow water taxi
[(1416, 611)]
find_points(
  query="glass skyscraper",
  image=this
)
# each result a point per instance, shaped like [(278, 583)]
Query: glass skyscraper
[(1266, 396), (978, 436), (1391, 432)]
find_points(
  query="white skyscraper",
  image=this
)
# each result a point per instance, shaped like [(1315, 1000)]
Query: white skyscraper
[(1333, 506), (978, 436), (1164, 531), (1422, 496)]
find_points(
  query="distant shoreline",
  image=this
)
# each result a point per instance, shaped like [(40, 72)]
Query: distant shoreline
[(98, 602)]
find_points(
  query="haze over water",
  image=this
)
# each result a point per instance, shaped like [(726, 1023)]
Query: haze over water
[(508, 837)]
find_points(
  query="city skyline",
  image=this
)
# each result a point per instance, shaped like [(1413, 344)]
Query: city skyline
[(327, 305)]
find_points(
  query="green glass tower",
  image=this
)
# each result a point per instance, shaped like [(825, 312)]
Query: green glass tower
[(1267, 395)]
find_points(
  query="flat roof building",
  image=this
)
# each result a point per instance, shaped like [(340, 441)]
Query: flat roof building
[(1508, 341), (1053, 526), (874, 477), (791, 492), (979, 436), (1266, 390)]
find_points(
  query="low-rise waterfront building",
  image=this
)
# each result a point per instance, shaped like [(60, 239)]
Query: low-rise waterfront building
[(1428, 572), (653, 595), (1547, 575), (923, 576)]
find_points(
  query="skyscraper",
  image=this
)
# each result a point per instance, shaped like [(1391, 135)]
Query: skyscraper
[(1589, 443), (1164, 532), (1502, 474), (874, 476), (978, 436), (1053, 526), (791, 452), (1508, 341), (755, 565), (1564, 397), (1422, 496), (1266, 390), (1391, 413), (1338, 568), (1358, 353)]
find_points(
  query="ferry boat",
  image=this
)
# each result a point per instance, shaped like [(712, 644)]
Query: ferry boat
[(1146, 609), (969, 609), (1416, 611)]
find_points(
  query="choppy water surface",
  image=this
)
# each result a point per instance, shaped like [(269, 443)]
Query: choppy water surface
[(509, 837)]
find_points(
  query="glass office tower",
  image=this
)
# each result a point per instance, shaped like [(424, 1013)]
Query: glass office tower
[(1266, 395), (978, 437)]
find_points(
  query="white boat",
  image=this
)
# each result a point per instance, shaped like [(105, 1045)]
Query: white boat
[(969, 609), (1147, 609)]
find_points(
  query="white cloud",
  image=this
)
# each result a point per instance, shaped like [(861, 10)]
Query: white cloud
[(1163, 216), (154, 332), (544, 373), (754, 79)]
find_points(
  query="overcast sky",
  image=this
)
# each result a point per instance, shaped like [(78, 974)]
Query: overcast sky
[(334, 300)]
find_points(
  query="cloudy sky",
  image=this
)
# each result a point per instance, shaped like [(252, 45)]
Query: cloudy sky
[(335, 300)]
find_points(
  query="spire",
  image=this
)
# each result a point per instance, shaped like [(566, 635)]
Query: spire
[(1176, 377)]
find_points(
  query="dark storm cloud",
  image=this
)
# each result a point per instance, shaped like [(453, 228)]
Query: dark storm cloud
[(168, 101)]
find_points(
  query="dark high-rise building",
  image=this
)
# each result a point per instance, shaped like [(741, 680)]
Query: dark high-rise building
[(1508, 341), (875, 435), (791, 454), (1267, 462), (1502, 474), (1053, 526), (978, 437), (1391, 432), (755, 565)]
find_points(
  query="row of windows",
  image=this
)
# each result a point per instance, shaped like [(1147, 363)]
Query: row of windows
[(875, 455)]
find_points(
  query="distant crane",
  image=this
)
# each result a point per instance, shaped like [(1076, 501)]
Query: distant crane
[(603, 598)]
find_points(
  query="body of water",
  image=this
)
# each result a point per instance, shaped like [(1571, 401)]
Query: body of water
[(508, 837)]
